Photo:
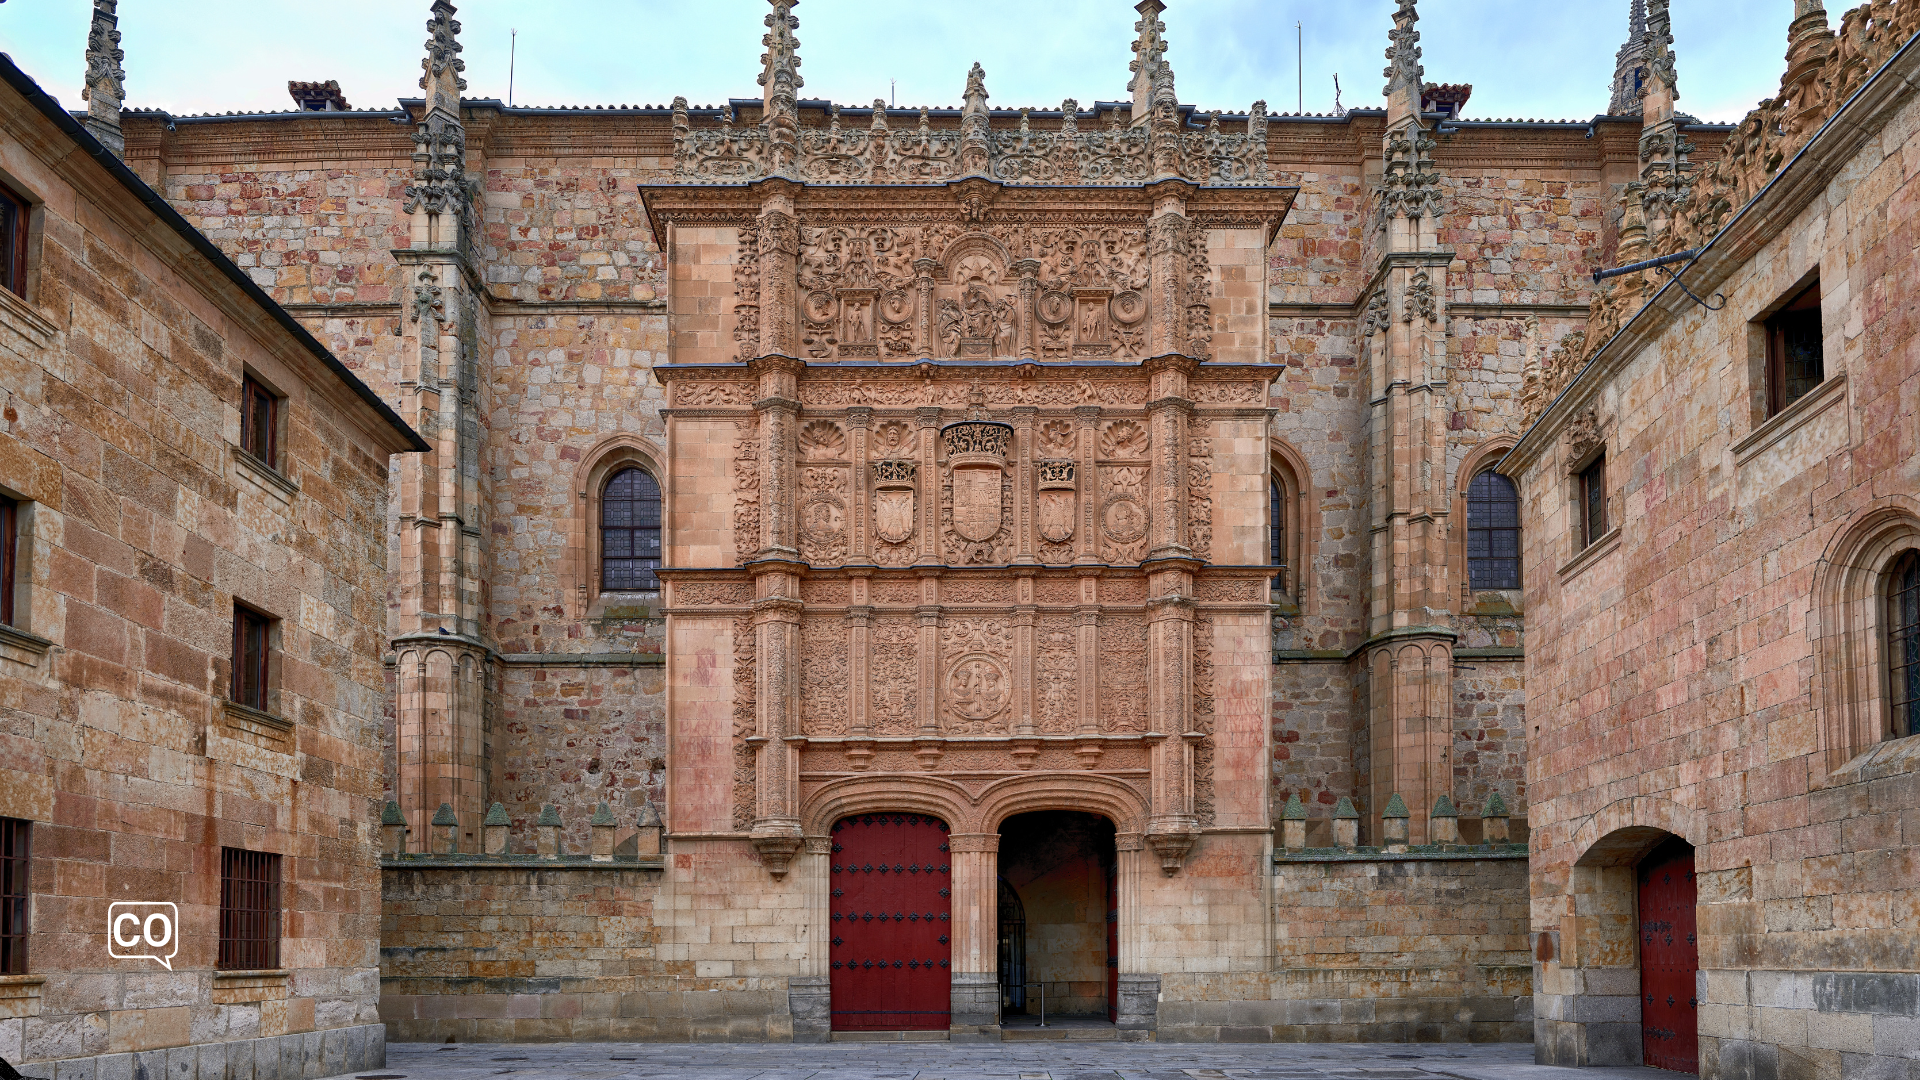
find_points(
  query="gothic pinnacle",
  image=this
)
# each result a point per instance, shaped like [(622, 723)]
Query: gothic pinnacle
[(440, 69), (1630, 65), (1403, 71), (780, 64), (1149, 53), (106, 87), (1660, 47)]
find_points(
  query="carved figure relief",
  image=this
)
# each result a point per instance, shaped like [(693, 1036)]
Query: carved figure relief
[(823, 677), (746, 490), (1057, 676), (745, 770), (894, 676), (1123, 672), (977, 686), (1123, 512), (822, 440), (823, 515)]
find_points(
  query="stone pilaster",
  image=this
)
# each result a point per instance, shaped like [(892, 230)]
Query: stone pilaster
[(976, 930), (444, 495), (1409, 653)]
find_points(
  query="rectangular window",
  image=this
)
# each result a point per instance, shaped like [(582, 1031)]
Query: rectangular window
[(1795, 363), (14, 212), (9, 554), (16, 851), (250, 658), (1593, 501), (259, 410), (249, 910)]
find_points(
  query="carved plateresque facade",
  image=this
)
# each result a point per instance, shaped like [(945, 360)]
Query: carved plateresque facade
[(968, 423)]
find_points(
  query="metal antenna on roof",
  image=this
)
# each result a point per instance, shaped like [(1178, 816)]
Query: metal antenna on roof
[(513, 47), (1300, 68), (893, 93)]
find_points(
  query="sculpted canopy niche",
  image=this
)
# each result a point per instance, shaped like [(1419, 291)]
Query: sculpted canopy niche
[(950, 408)]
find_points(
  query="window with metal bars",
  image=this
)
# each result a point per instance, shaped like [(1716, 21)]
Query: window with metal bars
[(9, 554), (1903, 644), (1593, 501), (1277, 531), (1493, 532), (249, 910), (259, 422), (14, 219), (630, 532), (1795, 351), (16, 854), (250, 657)]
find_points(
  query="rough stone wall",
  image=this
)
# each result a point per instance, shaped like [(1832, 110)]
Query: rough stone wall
[(143, 527), (575, 737), (1377, 950), (1686, 681)]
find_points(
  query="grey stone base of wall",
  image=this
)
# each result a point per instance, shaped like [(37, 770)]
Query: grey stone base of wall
[(578, 1010), (305, 1056), (810, 1000), (1348, 1020), (1138, 1016), (976, 1007)]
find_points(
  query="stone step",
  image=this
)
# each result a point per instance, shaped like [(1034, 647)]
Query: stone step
[(1060, 1033), (889, 1036)]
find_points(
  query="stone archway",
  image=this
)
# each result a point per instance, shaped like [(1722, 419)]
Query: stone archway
[(1059, 866), (1589, 995)]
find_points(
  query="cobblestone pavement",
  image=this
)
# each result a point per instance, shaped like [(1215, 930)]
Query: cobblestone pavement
[(989, 1061)]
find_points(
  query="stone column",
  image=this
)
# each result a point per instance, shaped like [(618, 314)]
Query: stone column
[(927, 422), (775, 833), (1024, 484), (1168, 413), (1167, 237), (1025, 619), (1086, 540), (779, 255), (923, 315), (976, 931), (1139, 988), (1173, 826), (1029, 273)]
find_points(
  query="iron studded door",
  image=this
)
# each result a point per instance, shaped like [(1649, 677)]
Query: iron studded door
[(1669, 958), (892, 924)]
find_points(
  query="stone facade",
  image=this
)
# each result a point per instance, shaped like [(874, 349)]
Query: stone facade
[(969, 423), (142, 523), (1713, 665)]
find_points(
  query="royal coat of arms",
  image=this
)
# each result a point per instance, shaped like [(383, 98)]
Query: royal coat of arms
[(976, 503), (1054, 509)]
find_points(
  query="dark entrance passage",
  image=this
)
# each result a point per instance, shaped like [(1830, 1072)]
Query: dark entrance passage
[(1669, 959), (1060, 866), (892, 924)]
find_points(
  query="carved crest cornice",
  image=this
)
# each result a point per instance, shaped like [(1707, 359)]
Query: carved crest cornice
[(972, 202)]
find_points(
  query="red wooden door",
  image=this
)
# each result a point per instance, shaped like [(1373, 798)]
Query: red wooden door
[(892, 890), (1669, 959)]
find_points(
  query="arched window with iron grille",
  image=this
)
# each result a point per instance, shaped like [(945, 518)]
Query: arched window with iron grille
[(630, 532), (1277, 531), (1493, 532), (1903, 644)]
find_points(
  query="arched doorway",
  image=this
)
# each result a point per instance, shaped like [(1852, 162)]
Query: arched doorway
[(1060, 865), (1669, 958), (891, 890)]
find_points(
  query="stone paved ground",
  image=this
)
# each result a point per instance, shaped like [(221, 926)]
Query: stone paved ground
[(1002, 1061)]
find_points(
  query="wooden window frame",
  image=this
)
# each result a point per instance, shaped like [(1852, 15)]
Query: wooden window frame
[(1519, 569), (1795, 315), (649, 578), (1593, 500), (9, 557), (16, 865), (249, 910), (16, 219), (250, 683), (264, 446)]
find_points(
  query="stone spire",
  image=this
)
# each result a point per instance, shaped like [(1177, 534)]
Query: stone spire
[(1149, 56), (1403, 70), (974, 153), (1663, 82), (779, 83), (440, 182), (1630, 70), (106, 81)]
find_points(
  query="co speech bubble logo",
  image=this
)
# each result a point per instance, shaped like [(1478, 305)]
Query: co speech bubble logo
[(137, 931)]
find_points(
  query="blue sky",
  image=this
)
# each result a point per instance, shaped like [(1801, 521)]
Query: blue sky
[(1525, 58)]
